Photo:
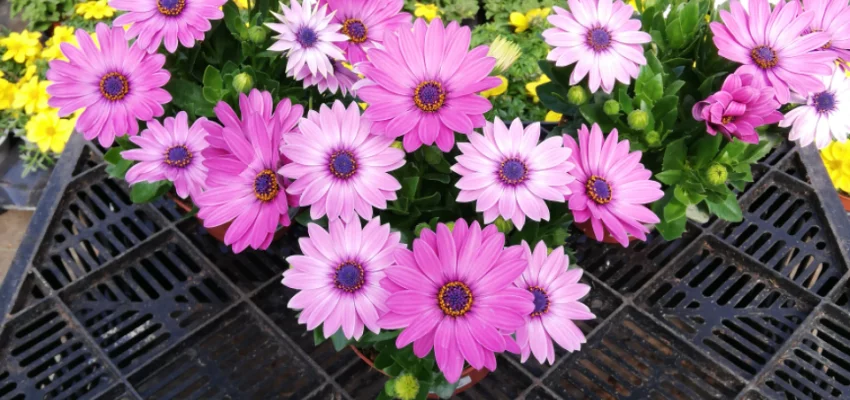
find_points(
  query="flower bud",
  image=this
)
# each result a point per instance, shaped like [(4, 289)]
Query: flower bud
[(243, 82), (611, 107), (450, 225), (504, 226), (716, 174), (397, 145), (638, 120), (257, 34), (652, 138), (406, 387), (577, 95)]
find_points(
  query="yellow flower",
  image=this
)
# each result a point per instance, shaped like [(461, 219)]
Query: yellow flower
[(427, 11), (502, 88), (505, 52), (30, 72), (32, 96), (552, 116), (7, 94), (531, 87), (836, 158), (61, 34), (522, 21), (95, 10), (242, 4), (49, 132), (22, 47)]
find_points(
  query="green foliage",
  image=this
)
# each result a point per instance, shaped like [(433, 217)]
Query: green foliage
[(40, 14), (500, 10)]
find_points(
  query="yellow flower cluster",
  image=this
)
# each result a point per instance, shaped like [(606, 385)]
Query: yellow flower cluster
[(427, 11), (21, 46), (522, 22), (96, 9), (49, 132), (61, 34), (531, 87), (836, 158)]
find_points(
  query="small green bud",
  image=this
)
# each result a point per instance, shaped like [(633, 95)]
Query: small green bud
[(389, 388), (406, 387), (611, 107), (716, 174), (257, 34), (638, 120), (653, 138), (420, 226), (243, 82), (450, 225), (504, 226), (577, 95), (397, 145)]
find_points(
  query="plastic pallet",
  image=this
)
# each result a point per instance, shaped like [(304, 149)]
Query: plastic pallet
[(109, 300)]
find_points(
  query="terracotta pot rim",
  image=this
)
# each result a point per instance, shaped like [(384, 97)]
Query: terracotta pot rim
[(845, 200)]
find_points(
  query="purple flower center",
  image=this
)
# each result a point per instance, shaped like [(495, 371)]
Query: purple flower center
[(349, 276), (455, 299), (513, 171), (355, 30), (265, 185), (598, 39), (599, 190), (764, 57), (114, 86), (429, 96), (343, 164), (824, 102), (171, 8), (541, 301), (178, 156), (306, 36)]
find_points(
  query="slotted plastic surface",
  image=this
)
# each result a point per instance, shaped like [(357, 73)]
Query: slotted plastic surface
[(109, 300)]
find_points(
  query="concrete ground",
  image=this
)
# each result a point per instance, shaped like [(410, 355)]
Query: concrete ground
[(13, 224)]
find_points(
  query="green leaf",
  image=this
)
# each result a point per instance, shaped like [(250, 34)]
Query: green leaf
[(728, 210), (625, 100), (553, 96), (674, 210), (675, 33), (233, 21), (674, 156), (118, 166), (409, 186), (318, 338), (443, 389), (689, 16), (670, 177), (384, 360), (442, 178), (653, 62), (339, 340), (672, 230), (370, 337), (144, 192), (654, 88), (674, 88), (705, 150)]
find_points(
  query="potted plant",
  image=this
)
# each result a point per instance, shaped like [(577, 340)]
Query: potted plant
[(436, 226)]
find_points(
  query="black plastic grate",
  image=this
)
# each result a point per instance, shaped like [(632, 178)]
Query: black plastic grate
[(110, 300)]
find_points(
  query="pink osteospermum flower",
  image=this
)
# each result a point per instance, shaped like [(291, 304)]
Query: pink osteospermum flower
[(339, 274), (600, 38), (308, 36), (342, 79), (171, 151), (825, 116), (611, 186), (454, 293), (832, 17), (773, 47), (116, 84), (509, 174), (167, 21), (365, 23), (423, 84), (557, 292), (243, 186), (340, 170), (742, 105)]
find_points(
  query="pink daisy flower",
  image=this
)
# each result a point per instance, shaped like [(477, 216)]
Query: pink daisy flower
[(308, 36), (556, 293), (423, 84), (167, 21), (611, 186), (454, 292), (773, 47), (832, 17), (116, 84), (172, 152), (339, 168), (742, 105), (243, 185), (341, 79), (509, 174), (600, 38), (338, 276), (824, 116), (365, 22)]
